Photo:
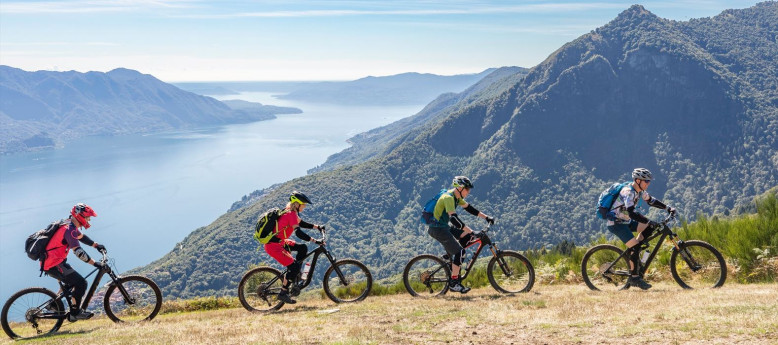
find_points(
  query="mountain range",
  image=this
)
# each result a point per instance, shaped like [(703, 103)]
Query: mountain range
[(696, 102), (45, 109)]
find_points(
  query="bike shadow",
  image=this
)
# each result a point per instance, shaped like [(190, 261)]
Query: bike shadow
[(299, 309), (54, 334)]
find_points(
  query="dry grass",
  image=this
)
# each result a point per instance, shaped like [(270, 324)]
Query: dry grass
[(562, 314)]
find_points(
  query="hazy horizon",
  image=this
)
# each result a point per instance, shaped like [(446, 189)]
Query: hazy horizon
[(193, 41)]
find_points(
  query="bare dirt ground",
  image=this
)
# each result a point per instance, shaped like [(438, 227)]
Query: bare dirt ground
[(549, 314)]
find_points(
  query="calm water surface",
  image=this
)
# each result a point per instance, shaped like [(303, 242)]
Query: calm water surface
[(150, 191)]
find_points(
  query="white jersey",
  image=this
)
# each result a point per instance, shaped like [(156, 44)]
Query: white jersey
[(628, 197)]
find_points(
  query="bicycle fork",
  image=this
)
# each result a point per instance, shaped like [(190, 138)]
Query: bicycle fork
[(687, 257), (503, 265)]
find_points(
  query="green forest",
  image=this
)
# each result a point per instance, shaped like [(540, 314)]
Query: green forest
[(695, 102)]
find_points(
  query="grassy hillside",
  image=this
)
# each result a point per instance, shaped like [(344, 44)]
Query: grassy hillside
[(550, 314)]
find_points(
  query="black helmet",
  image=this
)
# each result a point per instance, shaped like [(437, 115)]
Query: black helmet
[(462, 181), (299, 198)]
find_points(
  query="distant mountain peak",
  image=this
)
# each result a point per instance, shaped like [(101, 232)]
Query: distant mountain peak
[(635, 15), (126, 74)]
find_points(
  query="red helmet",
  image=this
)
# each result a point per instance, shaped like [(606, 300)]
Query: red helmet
[(80, 212)]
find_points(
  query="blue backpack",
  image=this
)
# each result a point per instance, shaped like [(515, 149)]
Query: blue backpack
[(427, 218), (607, 197)]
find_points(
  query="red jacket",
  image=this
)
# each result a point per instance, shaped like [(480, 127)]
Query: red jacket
[(60, 244)]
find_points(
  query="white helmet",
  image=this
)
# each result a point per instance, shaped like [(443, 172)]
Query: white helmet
[(642, 174)]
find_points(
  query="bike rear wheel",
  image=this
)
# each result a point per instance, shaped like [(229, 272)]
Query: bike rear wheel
[(510, 272), (601, 271), (258, 290), (426, 276), (355, 285), (142, 303), (31, 313), (698, 265)]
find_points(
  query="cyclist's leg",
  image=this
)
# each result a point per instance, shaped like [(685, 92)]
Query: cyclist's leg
[(66, 274), (448, 238), (277, 251)]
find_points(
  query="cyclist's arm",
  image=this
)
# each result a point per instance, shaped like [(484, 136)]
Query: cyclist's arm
[(459, 224), (73, 237), (301, 234), (470, 209), (654, 202), (636, 216)]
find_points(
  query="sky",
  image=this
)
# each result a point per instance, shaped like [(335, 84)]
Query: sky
[(242, 40)]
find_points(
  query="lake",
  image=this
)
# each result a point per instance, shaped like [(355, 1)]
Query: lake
[(150, 191)]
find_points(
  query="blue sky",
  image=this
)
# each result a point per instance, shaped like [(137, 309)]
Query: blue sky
[(193, 40)]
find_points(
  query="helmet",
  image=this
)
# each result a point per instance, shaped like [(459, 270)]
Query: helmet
[(80, 212), (462, 181), (299, 198), (642, 174)]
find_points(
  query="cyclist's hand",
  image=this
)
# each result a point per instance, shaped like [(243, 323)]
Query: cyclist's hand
[(490, 220), (100, 248), (318, 241), (322, 228), (672, 211), (103, 266)]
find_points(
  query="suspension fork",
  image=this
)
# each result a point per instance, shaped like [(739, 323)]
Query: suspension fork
[(127, 298), (503, 266), (336, 268)]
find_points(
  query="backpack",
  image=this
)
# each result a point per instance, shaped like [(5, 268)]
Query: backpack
[(267, 225), (427, 217), (607, 198), (35, 245)]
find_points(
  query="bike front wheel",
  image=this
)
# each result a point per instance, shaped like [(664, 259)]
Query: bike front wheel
[(426, 276), (601, 270), (510, 272), (347, 281), (258, 290), (32, 312), (132, 299), (698, 265)]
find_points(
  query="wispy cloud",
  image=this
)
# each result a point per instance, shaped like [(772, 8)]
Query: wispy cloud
[(89, 6), (443, 10)]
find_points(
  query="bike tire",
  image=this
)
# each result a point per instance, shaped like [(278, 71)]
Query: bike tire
[(358, 284), (712, 271), (520, 276), (27, 302), (426, 276), (254, 292), (147, 300), (596, 260)]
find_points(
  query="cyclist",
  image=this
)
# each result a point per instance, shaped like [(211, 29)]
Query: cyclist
[(623, 220), (455, 236), (280, 246), (55, 265)]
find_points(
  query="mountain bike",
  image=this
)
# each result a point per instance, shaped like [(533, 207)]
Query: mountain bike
[(508, 271), (693, 264), (345, 281), (39, 311)]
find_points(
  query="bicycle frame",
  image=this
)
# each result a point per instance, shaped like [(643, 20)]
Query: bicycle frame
[(665, 233), (321, 249), (64, 292), (482, 241)]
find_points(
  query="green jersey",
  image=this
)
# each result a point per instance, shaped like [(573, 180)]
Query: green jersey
[(446, 204)]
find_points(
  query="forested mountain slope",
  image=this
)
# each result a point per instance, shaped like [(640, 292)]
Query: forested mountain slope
[(694, 101)]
